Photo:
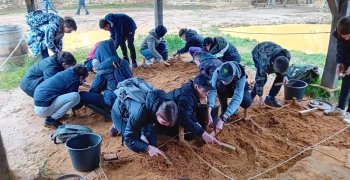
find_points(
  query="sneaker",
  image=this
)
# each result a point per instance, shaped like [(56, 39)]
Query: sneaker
[(334, 112), (52, 123), (347, 118), (272, 101), (134, 65)]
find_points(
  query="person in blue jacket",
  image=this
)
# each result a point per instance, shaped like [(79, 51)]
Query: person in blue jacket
[(138, 122), (230, 81), (122, 28), (192, 39), (42, 70), (187, 98), (58, 94)]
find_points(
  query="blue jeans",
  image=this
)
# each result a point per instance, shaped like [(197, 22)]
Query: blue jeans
[(82, 3), (95, 102), (161, 49), (48, 5), (225, 92), (344, 93)]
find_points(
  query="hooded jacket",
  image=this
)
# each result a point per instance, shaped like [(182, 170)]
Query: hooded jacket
[(224, 50), (187, 100), (141, 115), (263, 55), (121, 26), (193, 39), (39, 72), (150, 42)]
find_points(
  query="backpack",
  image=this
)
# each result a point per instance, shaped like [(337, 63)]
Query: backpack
[(133, 88), (66, 131), (307, 73)]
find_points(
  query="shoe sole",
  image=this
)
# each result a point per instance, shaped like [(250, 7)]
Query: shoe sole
[(50, 126)]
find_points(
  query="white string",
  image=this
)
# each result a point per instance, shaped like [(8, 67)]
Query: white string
[(103, 172), (8, 58)]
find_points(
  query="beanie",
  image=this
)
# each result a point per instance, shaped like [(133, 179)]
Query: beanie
[(161, 31)]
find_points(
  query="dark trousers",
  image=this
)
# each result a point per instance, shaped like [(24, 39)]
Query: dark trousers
[(44, 54), (95, 102), (161, 49), (225, 92), (344, 93), (274, 89), (130, 39)]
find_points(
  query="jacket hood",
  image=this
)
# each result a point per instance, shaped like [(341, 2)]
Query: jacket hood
[(206, 56), (153, 33), (219, 43), (154, 99)]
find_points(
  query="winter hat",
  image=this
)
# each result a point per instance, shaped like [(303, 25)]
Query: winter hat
[(161, 31), (207, 41)]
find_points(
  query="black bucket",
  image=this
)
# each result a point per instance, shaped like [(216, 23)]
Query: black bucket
[(295, 88), (201, 114), (85, 151)]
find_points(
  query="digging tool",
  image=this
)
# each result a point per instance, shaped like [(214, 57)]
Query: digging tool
[(316, 107), (166, 63), (167, 160), (227, 147)]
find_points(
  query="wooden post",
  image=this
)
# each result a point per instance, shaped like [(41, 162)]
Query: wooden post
[(4, 167), (158, 12), (30, 5), (329, 76)]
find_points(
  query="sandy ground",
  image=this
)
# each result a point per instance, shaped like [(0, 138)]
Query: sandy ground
[(261, 142)]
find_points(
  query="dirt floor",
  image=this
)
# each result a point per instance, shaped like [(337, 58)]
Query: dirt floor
[(262, 142)]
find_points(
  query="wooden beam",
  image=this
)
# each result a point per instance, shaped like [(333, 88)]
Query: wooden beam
[(30, 5), (4, 167), (158, 12), (329, 76)]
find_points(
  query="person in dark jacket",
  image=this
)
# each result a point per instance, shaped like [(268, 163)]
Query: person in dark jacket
[(137, 121), (230, 81), (192, 39), (154, 46), (100, 52), (269, 58), (342, 34), (42, 70), (58, 94), (222, 49), (122, 28), (47, 31), (187, 98), (206, 62)]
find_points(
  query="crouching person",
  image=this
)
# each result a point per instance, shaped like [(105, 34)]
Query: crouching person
[(58, 94), (269, 58), (230, 81), (137, 113), (154, 46)]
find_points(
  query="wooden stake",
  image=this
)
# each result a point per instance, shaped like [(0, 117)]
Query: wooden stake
[(182, 135)]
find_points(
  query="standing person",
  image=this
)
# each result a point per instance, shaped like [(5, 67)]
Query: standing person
[(154, 46), (82, 3), (122, 28), (342, 34), (47, 31), (230, 81), (48, 5), (192, 39), (58, 94), (222, 49), (42, 70), (187, 98), (269, 58)]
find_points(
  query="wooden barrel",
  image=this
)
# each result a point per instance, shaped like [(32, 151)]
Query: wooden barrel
[(10, 36)]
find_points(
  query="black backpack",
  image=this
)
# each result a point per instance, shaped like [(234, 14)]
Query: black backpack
[(66, 131), (307, 73)]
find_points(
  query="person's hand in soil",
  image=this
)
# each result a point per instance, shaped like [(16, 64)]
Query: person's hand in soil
[(340, 68), (153, 151), (209, 139), (219, 125), (176, 56), (260, 101)]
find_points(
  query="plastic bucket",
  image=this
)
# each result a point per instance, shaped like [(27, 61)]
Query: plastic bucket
[(202, 113), (295, 88), (85, 151)]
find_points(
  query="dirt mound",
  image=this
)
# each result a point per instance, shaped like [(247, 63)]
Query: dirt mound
[(262, 142)]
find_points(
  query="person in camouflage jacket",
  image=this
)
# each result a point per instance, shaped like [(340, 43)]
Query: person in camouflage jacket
[(269, 58)]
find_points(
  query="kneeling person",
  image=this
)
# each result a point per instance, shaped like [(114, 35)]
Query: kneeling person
[(230, 81)]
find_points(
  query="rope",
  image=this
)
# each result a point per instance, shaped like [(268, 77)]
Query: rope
[(103, 172), (217, 170), (308, 148), (172, 139), (240, 32), (8, 58)]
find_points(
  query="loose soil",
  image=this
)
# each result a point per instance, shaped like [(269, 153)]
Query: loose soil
[(262, 142)]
